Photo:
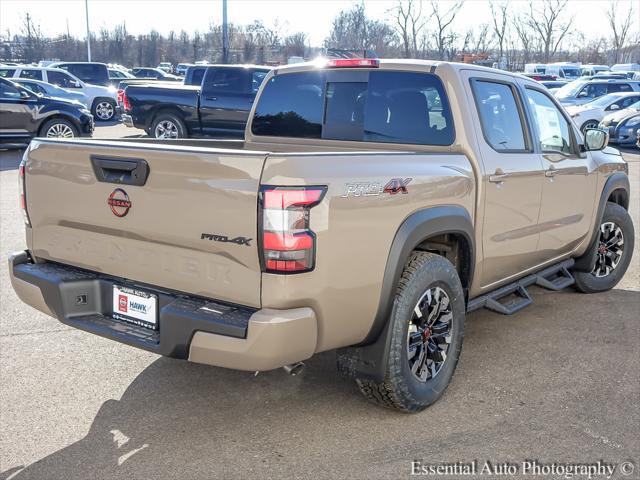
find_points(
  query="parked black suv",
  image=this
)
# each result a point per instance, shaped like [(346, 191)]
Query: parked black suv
[(24, 115)]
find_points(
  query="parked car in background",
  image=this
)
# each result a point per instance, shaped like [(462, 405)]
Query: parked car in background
[(181, 68), (626, 67), (553, 85), (218, 107), (535, 68), (605, 76), (580, 92), (154, 73), (25, 114), (588, 70), (165, 67), (103, 100), (569, 71), (50, 90), (93, 73), (540, 77), (590, 114), (623, 125)]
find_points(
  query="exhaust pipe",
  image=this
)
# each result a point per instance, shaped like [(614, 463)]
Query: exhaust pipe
[(294, 369)]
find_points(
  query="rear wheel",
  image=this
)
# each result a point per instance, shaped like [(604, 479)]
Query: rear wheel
[(168, 126), (104, 109), (427, 328), (58, 128), (612, 250)]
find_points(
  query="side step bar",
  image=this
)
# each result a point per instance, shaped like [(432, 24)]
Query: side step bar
[(513, 297)]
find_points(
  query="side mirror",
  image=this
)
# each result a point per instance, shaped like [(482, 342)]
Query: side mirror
[(595, 139), (614, 107), (582, 94), (24, 95)]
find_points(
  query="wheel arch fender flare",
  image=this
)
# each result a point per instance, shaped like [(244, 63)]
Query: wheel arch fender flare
[(368, 359), (617, 181)]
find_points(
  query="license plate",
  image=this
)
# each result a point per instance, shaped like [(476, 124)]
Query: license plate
[(135, 306)]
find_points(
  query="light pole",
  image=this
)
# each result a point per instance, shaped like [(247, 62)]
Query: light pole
[(225, 34), (86, 11)]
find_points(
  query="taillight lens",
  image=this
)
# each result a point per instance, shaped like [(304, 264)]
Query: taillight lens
[(288, 244), (120, 95), (125, 101), (23, 193)]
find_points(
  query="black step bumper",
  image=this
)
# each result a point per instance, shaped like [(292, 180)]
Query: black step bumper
[(83, 299)]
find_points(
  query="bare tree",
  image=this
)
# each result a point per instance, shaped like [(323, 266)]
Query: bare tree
[(443, 37), (295, 45), (409, 25), (620, 29), (500, 15), (546, 23)]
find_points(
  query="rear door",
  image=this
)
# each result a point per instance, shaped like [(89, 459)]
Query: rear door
[(225, 100), (512, 179), (190, 227)]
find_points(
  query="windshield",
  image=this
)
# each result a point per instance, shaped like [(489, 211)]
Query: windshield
[(571, 72), (570, 89), (602, 102)]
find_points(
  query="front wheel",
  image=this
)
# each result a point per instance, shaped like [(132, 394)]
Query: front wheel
[(612, 250), (589, 124), (58, 128), (427, 328)]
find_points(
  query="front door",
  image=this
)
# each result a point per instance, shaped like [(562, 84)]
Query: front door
[(511, 180), (569, 185), (16, 114), (225, 101)]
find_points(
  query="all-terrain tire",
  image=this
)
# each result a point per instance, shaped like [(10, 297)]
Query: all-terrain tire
[(401, 389), (589, 282)]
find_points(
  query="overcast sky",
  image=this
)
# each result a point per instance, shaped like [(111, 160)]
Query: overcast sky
[(310, 16)]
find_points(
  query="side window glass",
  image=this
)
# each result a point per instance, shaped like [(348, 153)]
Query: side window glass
[(9, 92), (553, 129), (228, 80), (30, 73), (58, 78), (256, 80), (7, 72), (500, 116), (619, 87)]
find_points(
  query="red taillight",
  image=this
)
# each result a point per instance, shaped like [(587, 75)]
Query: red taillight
[(288, 244), (353, 62), (125, 102), (120, 94), (22, 192)]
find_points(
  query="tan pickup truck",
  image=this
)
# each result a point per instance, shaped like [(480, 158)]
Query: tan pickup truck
[(371, 206)]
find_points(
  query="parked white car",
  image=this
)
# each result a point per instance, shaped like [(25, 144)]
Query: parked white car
[(591, 114), (585, 91), (102, 100)]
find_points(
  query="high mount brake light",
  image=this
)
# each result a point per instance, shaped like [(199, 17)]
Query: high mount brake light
[(23, 193), (353, 62), (288, 244)]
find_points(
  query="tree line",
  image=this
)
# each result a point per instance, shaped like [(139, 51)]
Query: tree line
[(540, 31)]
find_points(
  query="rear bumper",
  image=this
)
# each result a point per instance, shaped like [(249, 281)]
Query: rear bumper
[(127, 120), (193, 328)]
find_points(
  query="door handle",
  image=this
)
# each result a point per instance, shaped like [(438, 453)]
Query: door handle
[(121, 171), (211, 99), (551, 172), (499, 176)]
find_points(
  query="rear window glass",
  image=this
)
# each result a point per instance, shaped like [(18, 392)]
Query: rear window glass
[(7, 72), (88, 72), (291, 106), (392, 107)]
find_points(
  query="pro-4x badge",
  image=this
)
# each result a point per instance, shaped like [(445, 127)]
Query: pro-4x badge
[(225, 239), (372, 189)]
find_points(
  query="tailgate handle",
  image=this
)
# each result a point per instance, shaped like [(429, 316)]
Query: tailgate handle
[(121, 171)]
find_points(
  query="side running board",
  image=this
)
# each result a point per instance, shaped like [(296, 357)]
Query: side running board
[(513, 297)]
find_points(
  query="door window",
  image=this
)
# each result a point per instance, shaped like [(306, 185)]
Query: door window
[(61, 79), (9, 91), (500, 116), (619, 87), (7, 72), (626, 102), (554, 133), (31, 73), (34, 87), (228, 80), (593, 90)]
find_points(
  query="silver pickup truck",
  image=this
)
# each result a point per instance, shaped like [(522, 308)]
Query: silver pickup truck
[(370, 207)]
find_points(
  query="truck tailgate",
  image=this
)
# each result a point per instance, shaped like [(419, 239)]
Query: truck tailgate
[(191, 227)]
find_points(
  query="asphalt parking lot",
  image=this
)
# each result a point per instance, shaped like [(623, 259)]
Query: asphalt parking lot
[(558, 382)]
